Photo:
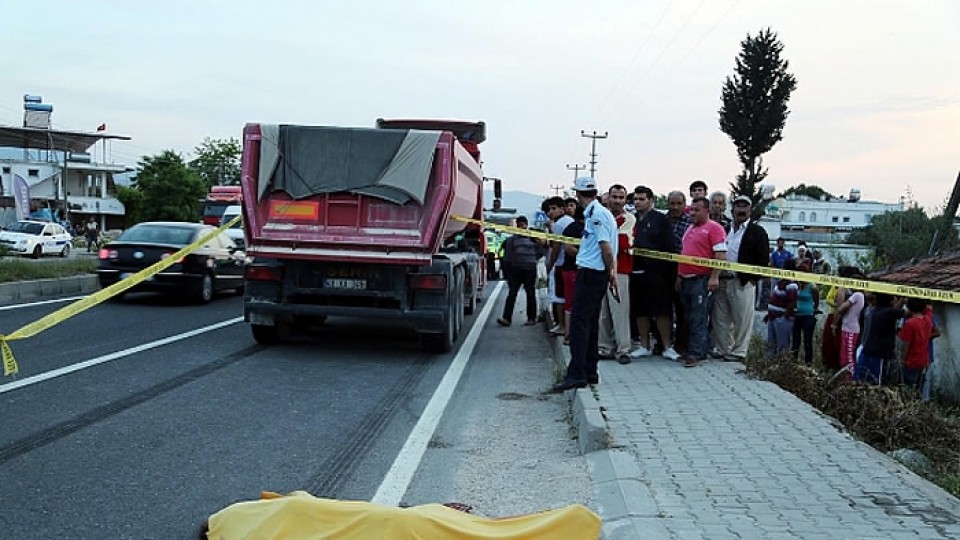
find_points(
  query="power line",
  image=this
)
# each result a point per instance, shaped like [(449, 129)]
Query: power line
[(593, 150), (576, 170)]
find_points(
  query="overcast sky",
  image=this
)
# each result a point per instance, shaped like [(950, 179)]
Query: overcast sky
[(877, 105)]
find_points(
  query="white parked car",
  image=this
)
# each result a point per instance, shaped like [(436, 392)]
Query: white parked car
[(36, 238)]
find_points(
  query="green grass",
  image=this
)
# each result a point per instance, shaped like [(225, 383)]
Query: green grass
[(16, 269)]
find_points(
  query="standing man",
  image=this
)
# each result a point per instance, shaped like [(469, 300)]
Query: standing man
[(596, 271), (560, 220), (92, 232), (679, 222), (651, 281), (698, 188), (705, 239), (520, 256), (733, 302), (781, 254), (615, 312), (718, 209)]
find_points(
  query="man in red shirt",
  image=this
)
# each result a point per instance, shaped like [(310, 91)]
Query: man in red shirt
[(706, 239), (915, 335)]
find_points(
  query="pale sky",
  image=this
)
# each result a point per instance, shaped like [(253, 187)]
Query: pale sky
[(877, 106)]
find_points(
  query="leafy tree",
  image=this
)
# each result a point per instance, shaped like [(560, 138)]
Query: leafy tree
[(813, 191), (170, 189), (217, 162), (754, 109), (901, 236), (132, 199)]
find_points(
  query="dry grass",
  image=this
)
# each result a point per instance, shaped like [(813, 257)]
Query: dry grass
[(884, 417)]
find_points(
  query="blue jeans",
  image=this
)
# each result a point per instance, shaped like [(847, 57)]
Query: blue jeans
[(585, 325), (696, 300), (778, 335)]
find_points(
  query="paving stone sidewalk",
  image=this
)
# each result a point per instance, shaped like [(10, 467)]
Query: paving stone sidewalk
[(710, 453)]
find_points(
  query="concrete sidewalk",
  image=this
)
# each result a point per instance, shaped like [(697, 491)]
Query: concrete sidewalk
[(710, 453)]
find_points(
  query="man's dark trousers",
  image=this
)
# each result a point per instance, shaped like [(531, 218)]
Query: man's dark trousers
[(585, 325), (515, 278)]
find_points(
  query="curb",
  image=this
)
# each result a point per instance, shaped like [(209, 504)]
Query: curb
[(586, 413), (20, 291)]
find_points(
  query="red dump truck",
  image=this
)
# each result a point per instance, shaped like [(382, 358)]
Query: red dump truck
[(357, 222)]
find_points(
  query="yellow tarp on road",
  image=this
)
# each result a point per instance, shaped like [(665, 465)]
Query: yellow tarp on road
[(303, 516)]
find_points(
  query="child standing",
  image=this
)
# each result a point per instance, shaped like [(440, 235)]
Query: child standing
[(915, 336), (849, 331)]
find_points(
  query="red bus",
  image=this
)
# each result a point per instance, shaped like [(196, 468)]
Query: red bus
[(217, 201)]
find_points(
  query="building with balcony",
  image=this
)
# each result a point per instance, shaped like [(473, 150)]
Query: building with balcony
[(63, 180), (825, 220)]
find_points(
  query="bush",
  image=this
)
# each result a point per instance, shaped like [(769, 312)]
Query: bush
[(887, 418)]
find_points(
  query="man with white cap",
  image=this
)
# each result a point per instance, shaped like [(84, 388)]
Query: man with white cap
[(747, 243), (596, 271)]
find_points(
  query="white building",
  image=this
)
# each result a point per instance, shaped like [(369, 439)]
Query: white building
[(805, 218), (63, 177)]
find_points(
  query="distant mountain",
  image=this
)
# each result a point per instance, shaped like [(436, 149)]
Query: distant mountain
[(526, 203)]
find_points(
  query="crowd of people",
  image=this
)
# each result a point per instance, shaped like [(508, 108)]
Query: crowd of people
[(608, 303)]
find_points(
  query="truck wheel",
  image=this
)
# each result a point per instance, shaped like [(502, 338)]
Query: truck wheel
[(265, 335), (442, 342), (471, 296)]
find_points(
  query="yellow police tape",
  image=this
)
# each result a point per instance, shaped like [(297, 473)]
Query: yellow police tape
[(10, 363), (809, 277)]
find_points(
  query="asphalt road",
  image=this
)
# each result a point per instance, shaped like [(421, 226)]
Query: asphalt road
[(150, 444), (166, 429)]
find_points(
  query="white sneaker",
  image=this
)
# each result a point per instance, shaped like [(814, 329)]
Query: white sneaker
[(641, 352), (635, 343), (671, 354), (556, 329)]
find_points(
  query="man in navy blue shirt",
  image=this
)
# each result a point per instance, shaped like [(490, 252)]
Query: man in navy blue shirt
[(596, 271)]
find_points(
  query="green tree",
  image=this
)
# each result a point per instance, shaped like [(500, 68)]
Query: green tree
[(754, 109), (171, 190), (217, 162), (813, 191), (901, 236), (132, 199)]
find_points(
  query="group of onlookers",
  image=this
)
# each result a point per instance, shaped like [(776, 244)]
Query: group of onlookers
[(611, 304)]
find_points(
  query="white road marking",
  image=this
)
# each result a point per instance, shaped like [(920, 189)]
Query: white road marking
[(398, 478), (41, 302), (115, 356)]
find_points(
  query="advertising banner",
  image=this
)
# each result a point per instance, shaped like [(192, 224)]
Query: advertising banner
[(21, 196)]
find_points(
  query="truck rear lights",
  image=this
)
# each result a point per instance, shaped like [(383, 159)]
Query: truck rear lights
[(256, 272), (436, 282), (294, 210)]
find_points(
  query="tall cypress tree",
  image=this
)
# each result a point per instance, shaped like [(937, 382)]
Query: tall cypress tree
[(754, 108)]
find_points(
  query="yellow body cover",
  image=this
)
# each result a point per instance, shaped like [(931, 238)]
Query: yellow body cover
[(303, 516)]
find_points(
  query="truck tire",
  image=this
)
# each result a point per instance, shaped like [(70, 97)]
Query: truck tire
[(265, 335), (470, 305), (442, 342)]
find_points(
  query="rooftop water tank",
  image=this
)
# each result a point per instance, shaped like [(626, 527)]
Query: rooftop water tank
[(854, 195)]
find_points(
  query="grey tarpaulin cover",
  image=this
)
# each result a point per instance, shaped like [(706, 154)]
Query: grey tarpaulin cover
[(390, 164)]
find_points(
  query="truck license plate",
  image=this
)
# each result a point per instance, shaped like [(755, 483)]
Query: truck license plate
[(338, 283)]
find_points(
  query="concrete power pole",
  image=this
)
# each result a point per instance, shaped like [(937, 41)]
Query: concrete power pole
[(593, 150), (557, 188), (576, 170)]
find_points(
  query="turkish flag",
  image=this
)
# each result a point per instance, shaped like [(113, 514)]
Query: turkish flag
[(102, 127)]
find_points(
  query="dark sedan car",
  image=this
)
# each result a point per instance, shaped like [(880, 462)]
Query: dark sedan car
[(215, 266)]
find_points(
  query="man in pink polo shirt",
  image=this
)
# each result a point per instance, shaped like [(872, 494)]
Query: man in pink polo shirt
[(706, 239)]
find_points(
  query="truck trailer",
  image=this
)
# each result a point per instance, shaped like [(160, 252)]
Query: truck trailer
[(358, 222)]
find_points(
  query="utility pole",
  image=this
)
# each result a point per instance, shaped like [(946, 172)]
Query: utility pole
[(576, 170), (556, 188), (593, 150)]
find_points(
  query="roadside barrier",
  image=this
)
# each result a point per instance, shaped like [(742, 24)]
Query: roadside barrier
[(10, 366), (807, 277)]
